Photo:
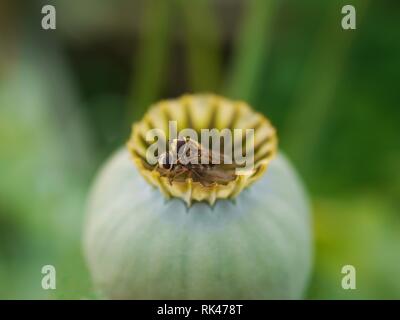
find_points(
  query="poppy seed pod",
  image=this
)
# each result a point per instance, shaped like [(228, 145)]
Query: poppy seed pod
[(149, 235)]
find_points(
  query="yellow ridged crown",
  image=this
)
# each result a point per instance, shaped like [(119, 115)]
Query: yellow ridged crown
[(203, 111)]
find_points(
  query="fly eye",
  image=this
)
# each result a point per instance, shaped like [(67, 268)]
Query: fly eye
[(165, 161)]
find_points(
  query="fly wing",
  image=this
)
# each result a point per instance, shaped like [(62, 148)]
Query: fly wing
[(190, 151), (215, 157), (210, 175)]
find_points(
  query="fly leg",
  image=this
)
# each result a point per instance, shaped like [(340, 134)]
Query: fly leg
[(200, 178), (179, 173)]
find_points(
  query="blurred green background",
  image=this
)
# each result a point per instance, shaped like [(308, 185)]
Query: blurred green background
[(68, 97)]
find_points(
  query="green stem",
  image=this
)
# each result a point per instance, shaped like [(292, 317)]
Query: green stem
[(151, 61), (203, 44), (251, 49)]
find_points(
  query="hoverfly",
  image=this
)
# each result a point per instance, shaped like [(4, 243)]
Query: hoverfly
[(183, 161)]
